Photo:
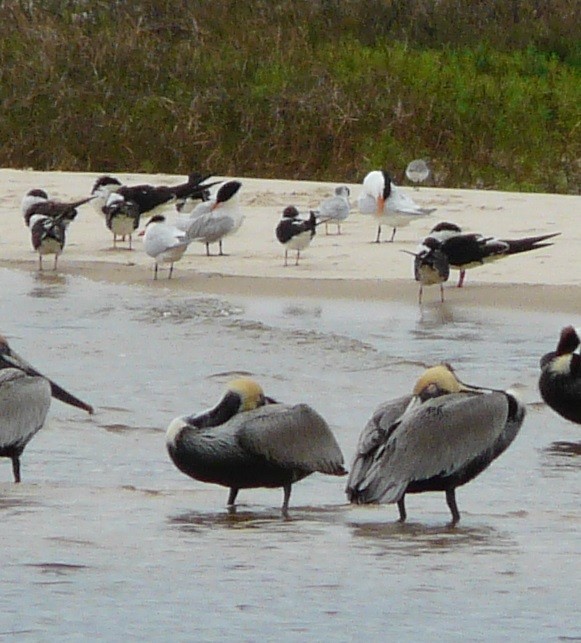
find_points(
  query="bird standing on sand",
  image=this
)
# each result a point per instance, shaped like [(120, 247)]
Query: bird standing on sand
[(439, 438), (560, 380), (465, 250), (48, 237), (164, 242), (122, 217), (335, 209), (215, 219), (294, 233), (248, 440), (25, 396), (380, 197)]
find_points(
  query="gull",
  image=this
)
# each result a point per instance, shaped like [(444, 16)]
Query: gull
[(383, 199), (335, 209)]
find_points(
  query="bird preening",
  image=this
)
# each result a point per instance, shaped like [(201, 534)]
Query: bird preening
[(249, 440), (295, 233), (438, 438), (25, 396), (560, 379)]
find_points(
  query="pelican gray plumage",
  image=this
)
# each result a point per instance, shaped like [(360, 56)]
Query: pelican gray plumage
[(25, 396), (380, 197), (248, 440), (439, 438), (560, 379)]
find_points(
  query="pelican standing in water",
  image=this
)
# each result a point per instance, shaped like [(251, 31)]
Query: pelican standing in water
[(25, 396), (560, 380), (380, 197), (248, 440), (439, 438)]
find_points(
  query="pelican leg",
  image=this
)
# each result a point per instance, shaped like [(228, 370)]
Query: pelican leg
[(232, 499), (15, 457), (461, 278), (401, 507), (287, 493), (392, 235), (378, 234), (451, 500)]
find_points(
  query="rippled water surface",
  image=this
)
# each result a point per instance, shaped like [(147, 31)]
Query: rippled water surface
[(105, 539)]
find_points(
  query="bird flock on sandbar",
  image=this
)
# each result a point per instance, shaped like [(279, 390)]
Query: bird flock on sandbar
[(437, 438), (208, 211)]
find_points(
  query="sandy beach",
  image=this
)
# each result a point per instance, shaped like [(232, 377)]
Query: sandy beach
[(334, 266)]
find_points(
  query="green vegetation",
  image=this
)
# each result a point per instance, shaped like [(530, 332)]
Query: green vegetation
[(489, 91)]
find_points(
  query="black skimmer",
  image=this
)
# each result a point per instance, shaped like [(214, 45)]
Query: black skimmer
[(417, 171), (150, 199), (215, 219), (335, 209), (439, 438), (48, 236), (294, 233), (164, 242), (382, 198), (248, 440), (36, 202), (560, 380), (25, 396), (431, 266), (122, 217), (466, 250)]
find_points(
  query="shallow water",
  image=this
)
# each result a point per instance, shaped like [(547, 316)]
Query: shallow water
[(106, 539)]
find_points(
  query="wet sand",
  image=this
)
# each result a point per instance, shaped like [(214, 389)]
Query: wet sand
[(346, 266)]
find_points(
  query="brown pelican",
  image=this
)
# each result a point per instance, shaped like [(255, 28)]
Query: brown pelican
[(248, 440), (382, 198), (560, 380), (24, 402), (335, 209), (439, 438), (466, 251), (294, 233)]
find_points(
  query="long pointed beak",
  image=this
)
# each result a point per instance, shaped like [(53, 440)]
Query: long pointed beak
[(13, 359), (269, 400)]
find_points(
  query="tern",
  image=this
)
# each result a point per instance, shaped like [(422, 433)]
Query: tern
[(382, 198), (560, 380), (248, 440), (164, 242), (437, 439), (25, 396), (215, 219)]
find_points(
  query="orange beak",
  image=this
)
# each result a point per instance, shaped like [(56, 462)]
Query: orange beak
[(380, 204), (140, 234)]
